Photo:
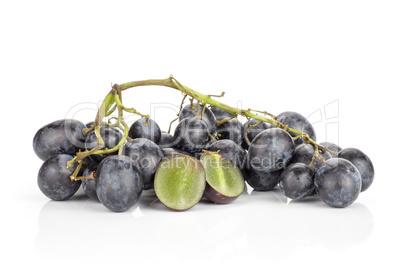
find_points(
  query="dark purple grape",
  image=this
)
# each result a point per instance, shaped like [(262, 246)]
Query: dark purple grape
[(148, 156), (54, 178), (197, 155), (209, 118), (118, 182), (362, 163), (298, 122), (261, 180), (270, 150), (231, 130), (297, 181), (89, 185), (252, 132), (59, 137), (332, 146), (170, 151), (230, 150), (166, 141), (220, 114), (338, 182), (143, 128), (304, 154), (191, 135), (110, 136)]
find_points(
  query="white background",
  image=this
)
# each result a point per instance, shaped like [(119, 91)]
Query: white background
[(59, 58)]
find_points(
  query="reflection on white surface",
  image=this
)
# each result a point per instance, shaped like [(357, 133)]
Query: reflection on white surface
[(257, 227)]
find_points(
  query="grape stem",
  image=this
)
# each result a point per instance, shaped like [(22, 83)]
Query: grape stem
[(220, 122), (249, 128), (113, 100)]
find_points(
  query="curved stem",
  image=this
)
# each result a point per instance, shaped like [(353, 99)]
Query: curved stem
[(220, 122), (114, 97), (172, 82)]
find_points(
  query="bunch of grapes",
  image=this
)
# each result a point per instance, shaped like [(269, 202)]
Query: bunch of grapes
[(211, 154)]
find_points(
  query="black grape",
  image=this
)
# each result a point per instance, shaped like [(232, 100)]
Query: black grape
[(54, 178), (166, 141), (145, 129), (89, 185), (230, 150), (110, 136), (231, 130), (170, 151), (118, 182), (209, 118), (59, 137), (191, 135), (148, 156), (332, 146), (251, 133), (362, 163), (270, 150), (261, 180), (298, 122), (338, 182), (297, 181), (220, 114), (304, 154)]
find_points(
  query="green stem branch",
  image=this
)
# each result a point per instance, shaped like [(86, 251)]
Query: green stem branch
[(114, 97)]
